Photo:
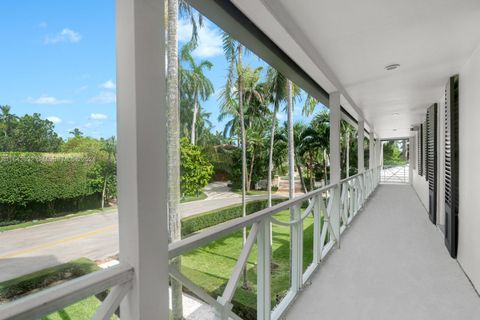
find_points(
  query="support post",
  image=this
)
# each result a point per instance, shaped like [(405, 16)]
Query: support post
[(263, 270), (297, 250), (141, 124), (360, 155), (371, 150), (335, 117)]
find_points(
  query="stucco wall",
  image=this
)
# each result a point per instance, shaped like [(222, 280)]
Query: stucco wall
[(469, 187), (420, 185)]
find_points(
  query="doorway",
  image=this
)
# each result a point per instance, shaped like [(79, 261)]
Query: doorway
[(395, 161)]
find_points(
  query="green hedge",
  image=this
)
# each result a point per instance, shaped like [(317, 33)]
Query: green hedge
[(46, 182), (214, 217), (18, 287)]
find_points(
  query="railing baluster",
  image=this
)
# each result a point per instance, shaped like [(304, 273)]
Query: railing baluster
[(264, 252), (297, 248), (317, 230), (112, 302)]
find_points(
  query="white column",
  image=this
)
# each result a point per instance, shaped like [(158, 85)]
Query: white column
[(335, 168), (335, 117), (379, 153), (360, 156), (142, 153), (371, 150), (412, 159)]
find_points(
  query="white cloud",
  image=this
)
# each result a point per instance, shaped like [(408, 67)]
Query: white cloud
[(42, 24), (54, 119), (209, 39), (98, 116), (109, 84), (104, 97), (44, 99), (66, 35)]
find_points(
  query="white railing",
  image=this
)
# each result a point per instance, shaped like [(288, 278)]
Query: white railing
[(35, 306), (333, 208)]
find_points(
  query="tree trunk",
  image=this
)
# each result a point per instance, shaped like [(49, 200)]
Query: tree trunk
[(244, 151), (104, 191), (291, 147), (300, 174), (173, 149), (194, 120), (250, 175), (270, 154), (325, 166), (348, 155)]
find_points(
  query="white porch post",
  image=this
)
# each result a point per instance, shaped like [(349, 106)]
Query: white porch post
[(371, 150), (335, 168), (142, 155), (412, 160), (360, 136), (379, 153), (335, 117)]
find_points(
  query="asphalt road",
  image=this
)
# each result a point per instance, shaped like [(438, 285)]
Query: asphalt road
[(93, 236)]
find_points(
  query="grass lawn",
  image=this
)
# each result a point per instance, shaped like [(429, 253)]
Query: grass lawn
[(211, 266), (82, 310), (27, 224), (36, 281), (201, 196), (254, 192)]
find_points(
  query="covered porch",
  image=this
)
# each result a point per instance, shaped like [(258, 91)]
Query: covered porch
[(391, 264)]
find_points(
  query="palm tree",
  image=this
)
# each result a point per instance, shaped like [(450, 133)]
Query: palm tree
[(173, 131), (7, 120), (196, 84), (234, 54), (321, 124), (277, 86)]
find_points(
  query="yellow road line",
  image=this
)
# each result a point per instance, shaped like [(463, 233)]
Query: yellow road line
[(57, 242)]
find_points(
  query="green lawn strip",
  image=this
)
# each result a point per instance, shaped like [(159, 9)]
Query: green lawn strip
[(254, 192), (43, 279), (201, 196), (27, 224), (36, 281), (211, 266), (82, 310)]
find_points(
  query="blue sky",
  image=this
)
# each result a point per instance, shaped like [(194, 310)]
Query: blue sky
[(58, 59)]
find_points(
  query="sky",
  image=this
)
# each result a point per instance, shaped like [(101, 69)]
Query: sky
[(58, 59)]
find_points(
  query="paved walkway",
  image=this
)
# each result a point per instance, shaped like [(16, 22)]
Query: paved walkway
[(392, 265)]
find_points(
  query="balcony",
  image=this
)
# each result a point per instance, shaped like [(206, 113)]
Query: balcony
[(374, 253), (391, 265)]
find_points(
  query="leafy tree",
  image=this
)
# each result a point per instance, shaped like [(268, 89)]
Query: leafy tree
[(34, 134), (196, 170)]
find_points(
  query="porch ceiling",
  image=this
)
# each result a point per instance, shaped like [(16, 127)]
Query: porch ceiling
[(430, 39)]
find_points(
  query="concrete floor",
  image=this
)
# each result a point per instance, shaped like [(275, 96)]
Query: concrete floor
[(392, 264)]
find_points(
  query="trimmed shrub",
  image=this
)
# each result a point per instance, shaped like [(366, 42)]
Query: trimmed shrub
[(42, 184), (214, 217), (22, 286)]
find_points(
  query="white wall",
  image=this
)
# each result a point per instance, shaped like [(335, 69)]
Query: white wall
[(418, 182), (469, 183)]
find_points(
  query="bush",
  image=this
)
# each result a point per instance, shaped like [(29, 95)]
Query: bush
[(214, 217), (18, 287), (44, 182), (195, 169)]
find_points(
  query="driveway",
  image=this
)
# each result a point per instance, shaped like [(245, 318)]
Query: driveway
[(93, 236)]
